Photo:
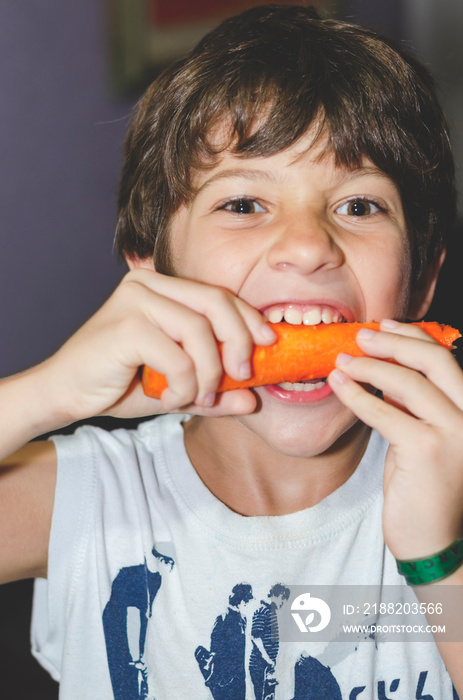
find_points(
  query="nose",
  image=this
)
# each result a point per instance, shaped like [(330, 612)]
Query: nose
[(305, 243)]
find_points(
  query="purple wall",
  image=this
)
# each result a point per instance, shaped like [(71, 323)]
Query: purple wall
[(60, 138), (384, 15)]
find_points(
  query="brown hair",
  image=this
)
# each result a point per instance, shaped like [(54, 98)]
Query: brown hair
[(291, 69)]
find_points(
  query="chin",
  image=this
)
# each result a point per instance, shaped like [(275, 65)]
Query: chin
[(300, 436)]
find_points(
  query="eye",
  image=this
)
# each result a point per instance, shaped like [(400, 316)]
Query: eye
[(359, 208), (243, 205)]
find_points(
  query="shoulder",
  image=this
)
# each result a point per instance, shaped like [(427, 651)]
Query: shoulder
[(149, 435), (113, 482), (95, 445)]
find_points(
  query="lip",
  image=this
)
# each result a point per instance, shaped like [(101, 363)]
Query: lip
[(298, 397), (345, 311)]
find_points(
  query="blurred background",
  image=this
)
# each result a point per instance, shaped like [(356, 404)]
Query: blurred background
[(70, 73)]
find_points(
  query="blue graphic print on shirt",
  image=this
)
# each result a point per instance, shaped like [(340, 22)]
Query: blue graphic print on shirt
[(223, 666), (135, 587), (314, 681), (265, 642)]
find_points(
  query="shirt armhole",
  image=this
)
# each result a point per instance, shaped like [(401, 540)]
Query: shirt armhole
[(71, 522)]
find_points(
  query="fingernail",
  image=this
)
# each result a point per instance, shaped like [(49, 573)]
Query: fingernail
[(366, 333), (245, 370), (343, 358), (389, 323), (338, 376), (267, 333), (209, 399)]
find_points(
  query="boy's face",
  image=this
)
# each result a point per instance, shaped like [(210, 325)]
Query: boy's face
[(299, 239)]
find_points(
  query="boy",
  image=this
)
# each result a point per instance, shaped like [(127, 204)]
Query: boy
[(289, 168)]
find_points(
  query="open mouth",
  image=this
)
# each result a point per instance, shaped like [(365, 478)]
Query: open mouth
[(307, 315), (309, 385)]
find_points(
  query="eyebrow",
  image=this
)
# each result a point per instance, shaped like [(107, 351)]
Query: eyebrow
[(273, 178), (366, 171), (244, 173)]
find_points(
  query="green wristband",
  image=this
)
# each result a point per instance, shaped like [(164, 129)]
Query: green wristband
[(433, 568)]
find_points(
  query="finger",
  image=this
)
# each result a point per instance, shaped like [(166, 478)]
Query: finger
[(205, 298), (406, 329), (235, 323), (414, 349), (406, 387), (135, 404), (236, 332), (228, 403), (192, 363), (388, 421), (159, 351), (239, 329), (195, 335)]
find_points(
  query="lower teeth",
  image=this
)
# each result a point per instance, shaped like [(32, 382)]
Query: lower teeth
[(303, 386)]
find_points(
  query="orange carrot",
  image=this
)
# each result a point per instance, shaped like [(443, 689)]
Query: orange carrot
[(300, 353)]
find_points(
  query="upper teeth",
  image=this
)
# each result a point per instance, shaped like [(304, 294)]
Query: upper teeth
[(309, 316)]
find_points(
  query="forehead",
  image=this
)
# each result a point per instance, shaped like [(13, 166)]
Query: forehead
[(309, 153)]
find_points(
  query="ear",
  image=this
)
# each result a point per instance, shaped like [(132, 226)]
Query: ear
[(134, 262), (423, 289)]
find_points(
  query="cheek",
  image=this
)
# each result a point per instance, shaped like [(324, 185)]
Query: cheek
[(386, 281), (220, 261), (189, 253)]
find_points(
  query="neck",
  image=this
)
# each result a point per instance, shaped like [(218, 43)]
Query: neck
[(251, 478)]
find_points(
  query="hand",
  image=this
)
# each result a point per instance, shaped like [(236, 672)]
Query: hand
[(422, 419), (170, 324)]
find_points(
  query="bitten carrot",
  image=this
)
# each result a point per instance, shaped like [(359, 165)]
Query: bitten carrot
[(300, 353)]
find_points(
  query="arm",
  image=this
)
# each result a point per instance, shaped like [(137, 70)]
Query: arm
[(422, 419), (27, 477), (257, 641), (452, 617), (27, 485), (168, 323)]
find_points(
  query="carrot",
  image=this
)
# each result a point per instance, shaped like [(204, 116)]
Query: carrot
[(300, 353)]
